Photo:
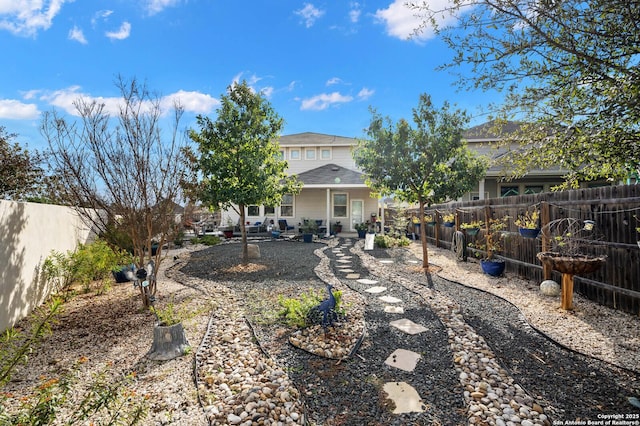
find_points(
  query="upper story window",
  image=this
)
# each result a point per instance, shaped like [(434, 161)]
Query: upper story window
[(294, 154), (325, 154), (310, 154)]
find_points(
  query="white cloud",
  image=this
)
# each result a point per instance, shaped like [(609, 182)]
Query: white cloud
[(123, 32), (324, 101), (195, 102), (333, 80), (157, 6), (76, 34), (66, 99), (101, 14), (365, 94), (11, 109), (355, 12), (310, 14), (27, 17), (400, 20)]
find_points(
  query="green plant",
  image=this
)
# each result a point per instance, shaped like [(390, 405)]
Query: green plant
[(528, 220), (475, 224), (493, 240), (389, 241), (448, 217), (308, 226), (364, 226), (209, 240), (295, 312), (168, 315)]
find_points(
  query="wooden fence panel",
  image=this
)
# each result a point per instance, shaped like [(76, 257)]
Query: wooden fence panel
[(615, 210)]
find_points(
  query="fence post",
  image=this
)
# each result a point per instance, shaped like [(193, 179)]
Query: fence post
[(544, 221)]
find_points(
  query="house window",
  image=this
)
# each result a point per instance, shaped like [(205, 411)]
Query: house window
[(280, 155), (533, 189), (268, 210), (508, 191), (253, 211), (325, 153), (310, 154), (294, 154), (339, 205), (286, 206)]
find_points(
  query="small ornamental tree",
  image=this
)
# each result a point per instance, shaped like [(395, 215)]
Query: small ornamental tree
[(425, 164), (239, 161), (20, 171), (120, 171)]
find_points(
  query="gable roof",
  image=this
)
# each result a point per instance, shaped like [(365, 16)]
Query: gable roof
[(332, 175), (315, 139), (487, 131)]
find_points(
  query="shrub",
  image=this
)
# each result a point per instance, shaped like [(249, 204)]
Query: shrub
[(295, 312)]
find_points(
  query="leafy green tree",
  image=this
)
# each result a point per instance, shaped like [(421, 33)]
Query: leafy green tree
[(239, 158), (425, 164), (20, 170), (569, 70)]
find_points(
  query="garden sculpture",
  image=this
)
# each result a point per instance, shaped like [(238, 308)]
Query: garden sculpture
[(325, 313)]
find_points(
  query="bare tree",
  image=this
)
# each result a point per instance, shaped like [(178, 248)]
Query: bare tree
[(121, 172)]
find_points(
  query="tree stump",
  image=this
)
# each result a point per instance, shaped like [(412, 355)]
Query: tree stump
[(169, 342)]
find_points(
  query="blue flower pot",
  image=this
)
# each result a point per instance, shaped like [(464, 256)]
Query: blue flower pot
[(449, 224), (275, 234), (307, 238), (529, 233), (495, 268)]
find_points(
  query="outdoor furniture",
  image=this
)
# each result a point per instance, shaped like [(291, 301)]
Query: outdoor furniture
[(284, 226)]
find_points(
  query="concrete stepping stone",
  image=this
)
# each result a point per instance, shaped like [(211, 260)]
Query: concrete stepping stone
[(352, 276), (390, 299), (347, 271), (375, 290), (344, 256), (386, 261), (413, 261), (403, 359), (408, 326), (343, 261), (367, 281), (404, 397), (394, 309)]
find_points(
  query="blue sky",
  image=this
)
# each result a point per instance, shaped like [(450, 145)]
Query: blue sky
[(320, 64)]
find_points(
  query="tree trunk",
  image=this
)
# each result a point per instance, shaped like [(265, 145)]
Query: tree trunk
[(423, 237), (169, 342)]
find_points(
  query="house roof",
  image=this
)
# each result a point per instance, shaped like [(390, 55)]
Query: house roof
[(488, 131), (331, 175), (315, 139)]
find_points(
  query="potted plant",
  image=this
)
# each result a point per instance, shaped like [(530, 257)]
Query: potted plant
[(362, 229), (336, 228), (528, 224), (449, 220), (308, 228), (429, 220), (228, 230), (490, 244), (473, 227)]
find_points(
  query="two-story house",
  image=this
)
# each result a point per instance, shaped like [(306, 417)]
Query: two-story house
[(333, 189)]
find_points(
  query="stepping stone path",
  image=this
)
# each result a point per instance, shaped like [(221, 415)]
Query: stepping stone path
[(404, 396), (495, 399)]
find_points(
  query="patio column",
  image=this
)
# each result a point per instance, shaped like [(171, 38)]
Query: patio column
[(328, 215), (481, 189)]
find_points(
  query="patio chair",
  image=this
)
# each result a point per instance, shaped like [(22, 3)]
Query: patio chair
[(284, 226)]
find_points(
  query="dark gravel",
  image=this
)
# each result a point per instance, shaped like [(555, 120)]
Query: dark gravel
[(349, 393)]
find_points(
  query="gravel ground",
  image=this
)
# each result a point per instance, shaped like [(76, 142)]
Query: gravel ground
[(567, 384), (467, 330)]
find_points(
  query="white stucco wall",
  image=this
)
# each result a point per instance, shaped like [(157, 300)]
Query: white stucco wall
[(28, 233)]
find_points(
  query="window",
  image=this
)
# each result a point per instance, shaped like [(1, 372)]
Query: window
[(286, 206), (339, 205), (280, 155), (508, 191), (310, 154), (325, 153), (294, 154), (268, 210), (253, 211), (533, 189)]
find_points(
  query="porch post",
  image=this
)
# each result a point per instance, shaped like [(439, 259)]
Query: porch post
[(481, 189), (328, 231)]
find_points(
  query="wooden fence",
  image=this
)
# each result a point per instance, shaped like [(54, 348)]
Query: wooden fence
[(612, 208)]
